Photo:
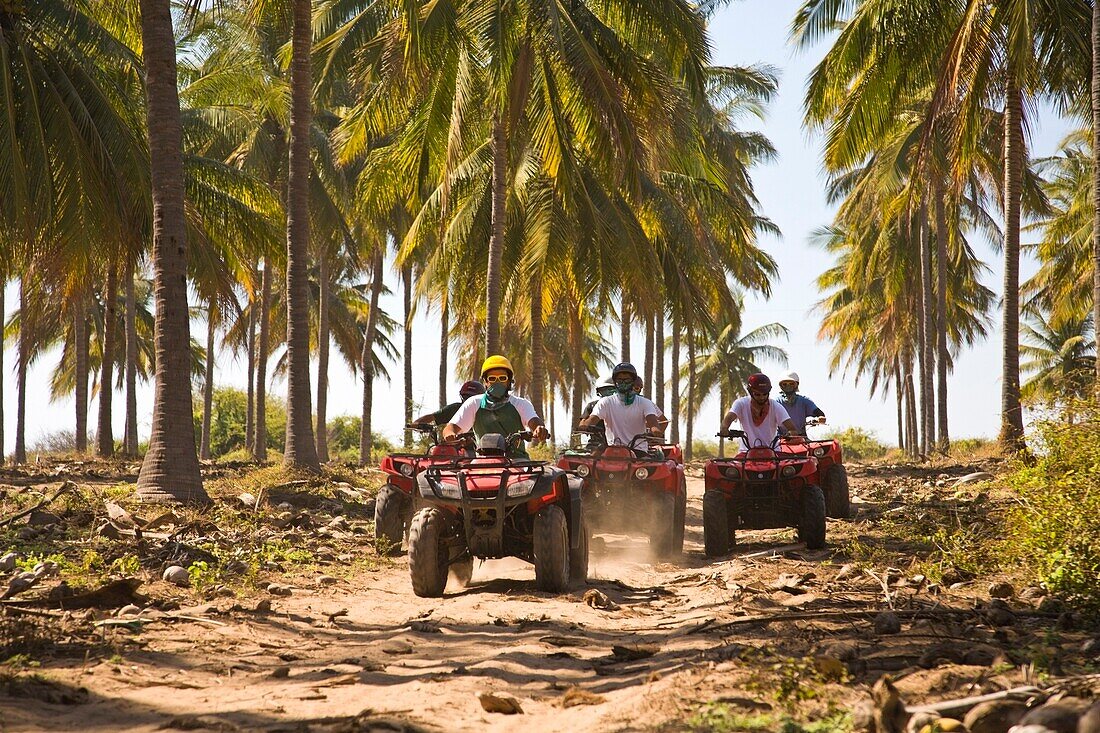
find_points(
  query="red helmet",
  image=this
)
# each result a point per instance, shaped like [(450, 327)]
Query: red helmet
[(471, 388), (759, 383)]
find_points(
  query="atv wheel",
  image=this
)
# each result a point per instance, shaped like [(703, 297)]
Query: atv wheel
[(716, 524), (662, 535), (835, 483), (679, 517), (463, 571), (391, 512), (551, 549), (811, 529), (428, 556), (578, 558)]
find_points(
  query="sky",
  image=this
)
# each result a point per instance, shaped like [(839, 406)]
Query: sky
[(791, 193)]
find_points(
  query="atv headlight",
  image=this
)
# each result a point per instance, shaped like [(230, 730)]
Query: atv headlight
[(450, 491), (819, 451), (733, 472), (520, 488), (406, 469), (641, 474), (583, 470), (788, 471)]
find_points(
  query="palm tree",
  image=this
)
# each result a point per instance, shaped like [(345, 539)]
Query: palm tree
[(1096, 173), (1061, 357)]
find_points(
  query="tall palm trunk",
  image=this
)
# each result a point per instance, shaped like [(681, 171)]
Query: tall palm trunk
[(927, 401), (130, 437), (105, 435), (208, 384), (444, 350), (250, 342), (721, 417), (1012, 418), (538, 356), (943, 444), (624, 333), (3, 310), (576, 338), (1096, 182), (80, 347), (323, 338), (901, 405), (675, 378), (300, 450), (659, 371), (689, 434), (170, 471), (911, 402), (647, 367), (260, 450), (25, 328), (366, 359), (493, 285), (407, 355)]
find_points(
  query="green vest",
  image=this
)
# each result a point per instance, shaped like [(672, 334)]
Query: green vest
[(504, 420)]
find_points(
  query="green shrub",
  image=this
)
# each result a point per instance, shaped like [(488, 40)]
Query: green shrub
[(227, 421), (1056, 524), (858, 444)]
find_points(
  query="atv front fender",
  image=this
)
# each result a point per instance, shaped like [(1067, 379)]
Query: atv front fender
[(576, 490)]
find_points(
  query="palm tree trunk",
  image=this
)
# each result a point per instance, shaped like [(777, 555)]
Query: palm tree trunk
[(105, 435), (25, 327), (130, 437), (675, 378), (721, 416), (659, 372), (3, 312), (690, 396), (647, 367), (911, 399), (407, 355), (80, 347), (624, 333), (208, 385), (944, 442), (250, 342), (576, 338), (493, 285), (901, 404), (300, 450), (1096, 184), (927, 400), (170, 471), (444, 350), (366, 359), (1012, 418), (323, 338), (538, 364), (260, 450)]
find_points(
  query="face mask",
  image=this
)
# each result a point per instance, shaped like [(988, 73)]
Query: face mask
[(626, 391), (789, 392), (497, 391)]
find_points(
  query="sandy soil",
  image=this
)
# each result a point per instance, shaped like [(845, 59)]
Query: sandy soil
[(366, 654)]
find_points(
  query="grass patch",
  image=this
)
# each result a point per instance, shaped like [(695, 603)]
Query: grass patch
[(722, 718)]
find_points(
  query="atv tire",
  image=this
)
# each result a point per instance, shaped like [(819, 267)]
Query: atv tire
[(811, 528), (391, 518), (551, 549), (679, 517), (578, 558), (717, 537), (835, 483), (428, 554), (662, 534)]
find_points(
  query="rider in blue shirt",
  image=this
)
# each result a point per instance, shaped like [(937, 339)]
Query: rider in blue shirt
[(798, 406)]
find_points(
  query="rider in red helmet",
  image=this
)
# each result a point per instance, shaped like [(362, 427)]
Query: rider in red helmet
[(443, 415), (759, 415)]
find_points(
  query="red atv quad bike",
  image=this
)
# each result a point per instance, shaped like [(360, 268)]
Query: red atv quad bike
[(761, 488), (396, 500), (633, 489), (490, 506), (832, 477)]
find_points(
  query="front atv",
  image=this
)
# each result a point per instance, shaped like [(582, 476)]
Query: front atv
[(632, 490), (396, 501), (491, 506), (761, 488)]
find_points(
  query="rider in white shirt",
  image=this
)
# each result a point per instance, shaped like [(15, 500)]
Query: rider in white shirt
[(759, 415), (625, 414)]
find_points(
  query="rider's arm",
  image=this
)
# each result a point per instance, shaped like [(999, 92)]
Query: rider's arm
[(654, 424), (590, 421), (463, 420), (728, 420), (533, 422), (425, 420)]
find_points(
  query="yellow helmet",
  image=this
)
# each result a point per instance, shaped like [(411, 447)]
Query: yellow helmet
[(496, 362)]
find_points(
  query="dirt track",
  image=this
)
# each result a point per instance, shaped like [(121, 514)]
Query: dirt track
[(367, 654)]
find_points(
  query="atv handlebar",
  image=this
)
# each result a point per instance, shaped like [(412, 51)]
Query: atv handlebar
[(458, 438), (730, 434)]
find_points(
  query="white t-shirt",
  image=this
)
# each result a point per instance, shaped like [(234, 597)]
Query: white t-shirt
[(464, 418), (622, 422), (764, 433)]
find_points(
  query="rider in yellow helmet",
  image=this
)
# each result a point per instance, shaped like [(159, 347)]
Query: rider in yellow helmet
[(497, 411)]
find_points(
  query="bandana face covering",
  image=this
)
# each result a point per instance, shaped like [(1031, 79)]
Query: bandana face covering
[(497, 391), (626, 391)]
